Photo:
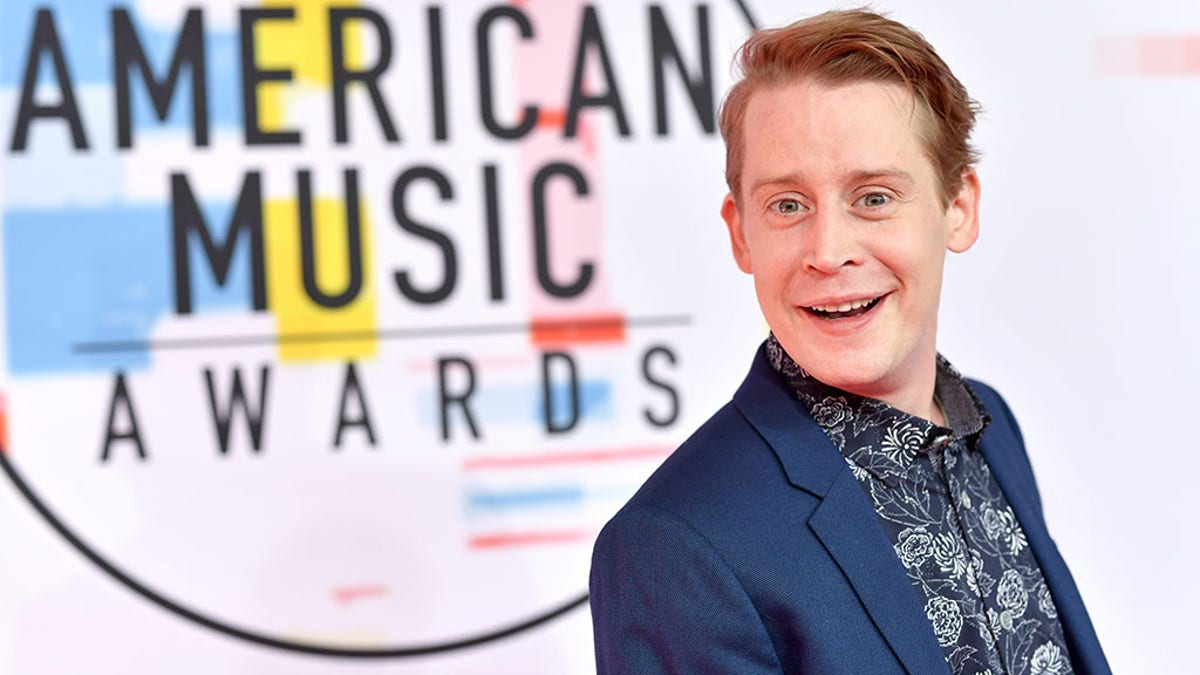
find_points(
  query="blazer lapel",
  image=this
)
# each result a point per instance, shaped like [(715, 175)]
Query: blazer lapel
[(847, 525), (1004, 451), (845, 522)]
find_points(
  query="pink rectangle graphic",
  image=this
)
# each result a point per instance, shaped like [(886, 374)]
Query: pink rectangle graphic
[(1148, 55), (572, 457), (349, 594), (507, 539)]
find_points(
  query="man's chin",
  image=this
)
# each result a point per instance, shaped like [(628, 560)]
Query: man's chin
[(848, 370)]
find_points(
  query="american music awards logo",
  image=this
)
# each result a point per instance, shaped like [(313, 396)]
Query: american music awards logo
[(343, 328)]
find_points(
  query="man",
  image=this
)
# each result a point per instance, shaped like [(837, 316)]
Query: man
[(858, 507)]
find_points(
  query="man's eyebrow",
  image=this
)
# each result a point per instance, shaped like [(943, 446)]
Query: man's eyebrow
[(794, 177), (888, 173), (860, 176)]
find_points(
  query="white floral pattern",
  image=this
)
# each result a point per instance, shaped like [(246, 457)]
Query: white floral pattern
[(1011, 592), (1002, 527), (1046, 603), (1048, 660), (948, 521), (948, 552), (831, 412), (947, 619), (902, 441), (914, 546)]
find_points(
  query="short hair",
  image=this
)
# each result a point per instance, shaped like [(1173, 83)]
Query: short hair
[(845, 47)]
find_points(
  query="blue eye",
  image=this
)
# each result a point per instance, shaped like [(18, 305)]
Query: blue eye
[(788, 206), (875, 200)]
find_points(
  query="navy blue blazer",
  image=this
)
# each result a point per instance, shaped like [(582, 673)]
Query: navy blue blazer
[(753, 549)]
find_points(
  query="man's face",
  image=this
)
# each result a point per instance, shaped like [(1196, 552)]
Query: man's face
[(841, 223)]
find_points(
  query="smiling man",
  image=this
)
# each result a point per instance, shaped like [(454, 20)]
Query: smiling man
[(858, 507)]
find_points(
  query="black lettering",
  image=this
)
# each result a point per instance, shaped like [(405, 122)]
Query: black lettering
[(350, 384), (700, 89), (189, 51), (484, 53), (443, 242), (308, 243), (120, 398), (591, 36), (247, 217), (223, 420), (492, 217), (45, 40), (554, 426), (541, 238), (668, 419), (437, 73), (445, 398), (369, 77), (252, 76)]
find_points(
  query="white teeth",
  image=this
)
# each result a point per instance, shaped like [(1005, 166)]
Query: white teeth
[(844, 307)]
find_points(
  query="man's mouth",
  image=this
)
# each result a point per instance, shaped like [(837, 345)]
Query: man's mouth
[(844, 310)]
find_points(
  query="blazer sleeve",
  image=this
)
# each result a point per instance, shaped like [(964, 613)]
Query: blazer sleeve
[(664, 601)]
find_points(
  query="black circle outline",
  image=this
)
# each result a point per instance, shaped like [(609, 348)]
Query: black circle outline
[(258, 638), (267, 641)]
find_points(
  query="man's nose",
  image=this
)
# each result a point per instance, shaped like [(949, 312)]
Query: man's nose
[(830, 242)]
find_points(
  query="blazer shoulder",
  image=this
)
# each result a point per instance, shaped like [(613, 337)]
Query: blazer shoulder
[(724, 455)]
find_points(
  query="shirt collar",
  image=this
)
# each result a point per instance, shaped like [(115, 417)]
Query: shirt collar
[(965, 415), (833, 408)]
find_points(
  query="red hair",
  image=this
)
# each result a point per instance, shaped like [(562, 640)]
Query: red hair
[(845, 47)]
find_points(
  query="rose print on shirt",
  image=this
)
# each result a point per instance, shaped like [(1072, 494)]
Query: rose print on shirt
[(832, 413), (914, 546), (1048, 660)]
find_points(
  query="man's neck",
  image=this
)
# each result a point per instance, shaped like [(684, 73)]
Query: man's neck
[(914, 396)]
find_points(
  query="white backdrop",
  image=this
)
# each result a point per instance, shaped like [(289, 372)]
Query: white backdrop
[(1074, 304)]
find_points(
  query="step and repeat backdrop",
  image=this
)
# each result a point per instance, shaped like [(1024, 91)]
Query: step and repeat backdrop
[(333, 332)]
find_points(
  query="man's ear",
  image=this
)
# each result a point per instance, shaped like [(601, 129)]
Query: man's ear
[(737, 237), (963, 214)]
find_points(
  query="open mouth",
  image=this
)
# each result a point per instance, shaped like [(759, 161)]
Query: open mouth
[(845, 310)]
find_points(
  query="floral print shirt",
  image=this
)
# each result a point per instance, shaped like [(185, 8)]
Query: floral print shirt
[(948, 521)]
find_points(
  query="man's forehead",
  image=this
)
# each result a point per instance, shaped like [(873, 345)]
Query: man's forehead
[(856, 130), (894, 95)]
